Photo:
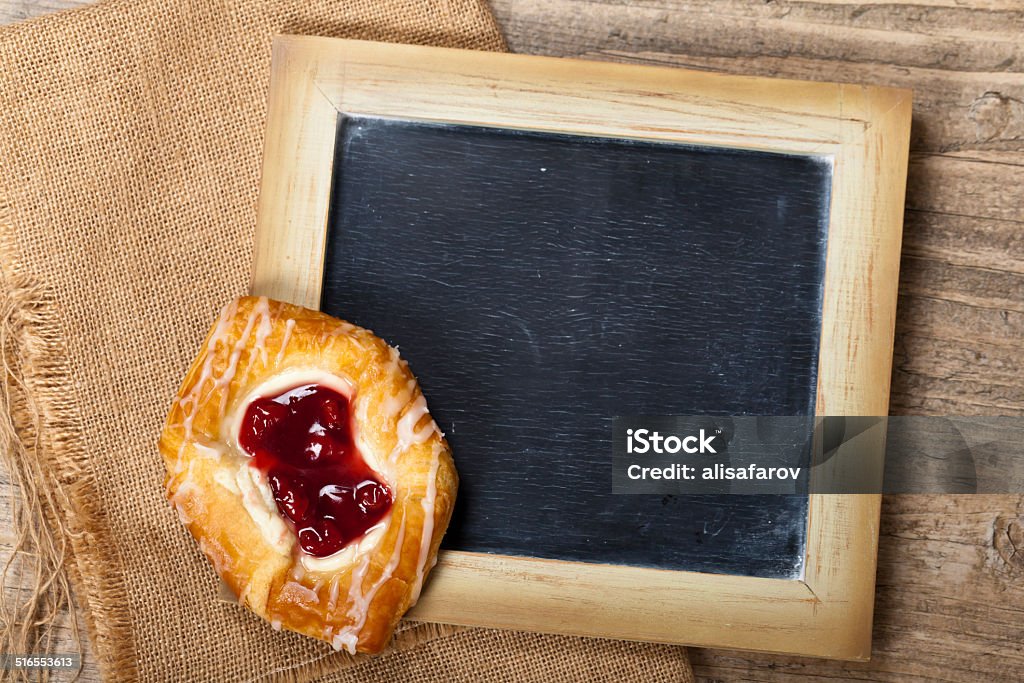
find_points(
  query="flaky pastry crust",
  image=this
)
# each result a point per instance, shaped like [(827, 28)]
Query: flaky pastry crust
[(355, 602)]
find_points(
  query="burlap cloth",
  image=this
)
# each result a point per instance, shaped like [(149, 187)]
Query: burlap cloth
[(130, 143)]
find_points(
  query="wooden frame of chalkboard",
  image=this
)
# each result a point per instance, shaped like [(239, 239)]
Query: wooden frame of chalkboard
[(863, 130)]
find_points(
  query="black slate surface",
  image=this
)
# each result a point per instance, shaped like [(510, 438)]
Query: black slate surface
[(540, 284)]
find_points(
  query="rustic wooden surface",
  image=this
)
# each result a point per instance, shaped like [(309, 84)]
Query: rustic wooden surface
[(950, 603)]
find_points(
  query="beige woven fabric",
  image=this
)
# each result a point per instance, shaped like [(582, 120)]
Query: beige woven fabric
[(488, 656), (130, 142)]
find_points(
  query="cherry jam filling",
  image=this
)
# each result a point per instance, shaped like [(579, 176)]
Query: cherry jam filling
[(302, 441)]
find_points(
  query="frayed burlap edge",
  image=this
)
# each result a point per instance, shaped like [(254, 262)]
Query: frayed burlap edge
[(61, 526), (62, 530), (34, 580), (57, 507)]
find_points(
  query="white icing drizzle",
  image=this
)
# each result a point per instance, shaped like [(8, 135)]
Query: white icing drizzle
[(187, 488), (407, 432), (351, 333), (348, 636), (262, 308), (254, 490), (332, 598), (289, 325), (217, 558), (310, 594), (187, 484), (190, 404), (342, 328), (209, 451), (408, 435), (428, 523), (348, 641), (222, 382), (392, 405), (355, 586)]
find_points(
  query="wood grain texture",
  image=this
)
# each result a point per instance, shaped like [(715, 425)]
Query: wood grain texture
[(67, 637), (294, 203), (950, 605), (950, 602), (20, 10)]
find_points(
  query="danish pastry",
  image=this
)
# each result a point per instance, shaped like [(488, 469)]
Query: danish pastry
[(301, 456)]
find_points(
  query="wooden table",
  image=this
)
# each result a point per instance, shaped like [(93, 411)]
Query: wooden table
[(950, 603)]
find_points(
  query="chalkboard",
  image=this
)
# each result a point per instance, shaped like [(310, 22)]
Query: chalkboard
[(598, 240), (540, 284)]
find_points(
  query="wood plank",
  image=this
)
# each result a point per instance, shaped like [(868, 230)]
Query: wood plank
[(948, 607), (956, 38), (19, 10), (954, 111), (67, 636)]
